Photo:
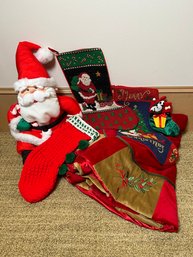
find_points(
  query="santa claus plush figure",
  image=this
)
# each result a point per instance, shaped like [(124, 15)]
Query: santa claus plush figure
[(47, 127)]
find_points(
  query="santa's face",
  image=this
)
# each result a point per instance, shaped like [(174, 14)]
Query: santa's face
[(38, 104), (85, 79)]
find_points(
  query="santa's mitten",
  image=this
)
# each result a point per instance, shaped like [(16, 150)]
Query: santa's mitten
[(40, 171), (23, 125)]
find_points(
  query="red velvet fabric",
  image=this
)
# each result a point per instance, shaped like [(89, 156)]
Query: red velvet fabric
[(165, 212)]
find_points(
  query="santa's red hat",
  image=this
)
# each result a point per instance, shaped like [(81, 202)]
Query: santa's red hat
[(83, 73), (29, 61)]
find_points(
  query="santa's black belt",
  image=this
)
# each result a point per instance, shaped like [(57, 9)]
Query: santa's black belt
[(51, 125), (86, 91)]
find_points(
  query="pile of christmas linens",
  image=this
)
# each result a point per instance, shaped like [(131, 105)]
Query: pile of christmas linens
[(129, 166), (132, 171)]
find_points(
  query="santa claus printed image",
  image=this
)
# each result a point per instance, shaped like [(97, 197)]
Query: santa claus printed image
[(87, 91)]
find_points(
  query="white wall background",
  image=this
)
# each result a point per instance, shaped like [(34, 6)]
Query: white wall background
[(145, 42)]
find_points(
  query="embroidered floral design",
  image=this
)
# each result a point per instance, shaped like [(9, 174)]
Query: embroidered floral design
[(140, 184), (174, 155)]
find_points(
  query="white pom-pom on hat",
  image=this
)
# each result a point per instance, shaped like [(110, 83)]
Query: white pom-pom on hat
[(44, 55)]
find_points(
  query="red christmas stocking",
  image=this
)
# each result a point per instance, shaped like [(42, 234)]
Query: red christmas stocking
[(41, 168)]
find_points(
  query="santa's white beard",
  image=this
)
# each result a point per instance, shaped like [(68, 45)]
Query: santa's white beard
[(41, 112)]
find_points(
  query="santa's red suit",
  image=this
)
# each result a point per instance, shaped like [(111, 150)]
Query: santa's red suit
[(29, 139), (88, 93)]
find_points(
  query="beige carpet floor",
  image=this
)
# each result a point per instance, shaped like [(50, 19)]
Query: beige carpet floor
[(68, 223)]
